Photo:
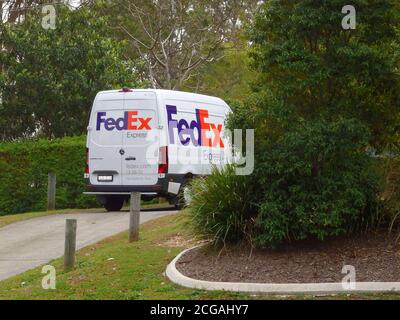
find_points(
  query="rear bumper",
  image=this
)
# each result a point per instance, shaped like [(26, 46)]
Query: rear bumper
[(157, 188), (160, 188)]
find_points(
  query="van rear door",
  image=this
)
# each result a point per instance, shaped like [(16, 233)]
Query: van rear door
[(105, 141), (140, 140)]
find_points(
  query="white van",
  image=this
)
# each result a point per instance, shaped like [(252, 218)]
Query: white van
[(153, 142)]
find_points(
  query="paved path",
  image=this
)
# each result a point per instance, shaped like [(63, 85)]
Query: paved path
[(27, 244)]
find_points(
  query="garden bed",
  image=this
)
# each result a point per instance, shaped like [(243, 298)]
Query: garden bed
[(374, 256)]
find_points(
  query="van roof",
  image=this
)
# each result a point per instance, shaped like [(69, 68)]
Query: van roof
[(166, 94)]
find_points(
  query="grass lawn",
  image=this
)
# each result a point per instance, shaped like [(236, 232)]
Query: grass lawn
[(115, 269)]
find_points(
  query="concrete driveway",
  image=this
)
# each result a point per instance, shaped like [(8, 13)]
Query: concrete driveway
[(27, 244)]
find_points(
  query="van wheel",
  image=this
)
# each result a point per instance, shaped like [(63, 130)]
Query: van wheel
[(114, 204)]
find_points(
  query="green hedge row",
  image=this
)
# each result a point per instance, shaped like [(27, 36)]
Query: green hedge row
[(24, 167)]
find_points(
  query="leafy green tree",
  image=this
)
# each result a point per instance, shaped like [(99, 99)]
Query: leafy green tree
[(311, 67), (229, 78), (50, 77), (323, 96), (175, 38), (178, 39)]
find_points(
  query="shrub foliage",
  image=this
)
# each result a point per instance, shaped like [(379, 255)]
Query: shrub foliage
[(221, 206), (312, 182), (316, 182), (24, 167)]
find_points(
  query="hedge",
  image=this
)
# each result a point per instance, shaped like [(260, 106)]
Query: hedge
[(24, 167)]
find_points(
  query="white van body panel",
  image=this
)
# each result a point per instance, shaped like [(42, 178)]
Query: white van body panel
[(197, 159), (127, 129)]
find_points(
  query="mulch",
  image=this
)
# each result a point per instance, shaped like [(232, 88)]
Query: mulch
[(375, 257)]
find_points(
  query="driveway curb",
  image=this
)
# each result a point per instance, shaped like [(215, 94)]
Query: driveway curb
[(277, 288)]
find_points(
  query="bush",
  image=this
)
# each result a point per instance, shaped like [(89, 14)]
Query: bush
[(24, 167), (316, 182), (313, 182), (221, 207)]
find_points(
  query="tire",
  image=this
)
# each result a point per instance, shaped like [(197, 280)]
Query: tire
[(114, 204)]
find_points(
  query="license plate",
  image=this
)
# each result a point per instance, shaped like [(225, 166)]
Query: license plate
[(105, 178)]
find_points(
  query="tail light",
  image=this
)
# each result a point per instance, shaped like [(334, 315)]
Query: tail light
[(87, 162), (163, 160)]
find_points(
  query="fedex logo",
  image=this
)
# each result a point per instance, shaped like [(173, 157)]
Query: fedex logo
[(186, 129), (130, 121)]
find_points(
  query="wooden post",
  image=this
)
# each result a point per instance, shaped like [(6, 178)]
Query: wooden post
[(51, 191), (70, 244), (134, 217)]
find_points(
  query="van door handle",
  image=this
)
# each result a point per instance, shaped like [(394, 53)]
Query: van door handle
[(130, 159)]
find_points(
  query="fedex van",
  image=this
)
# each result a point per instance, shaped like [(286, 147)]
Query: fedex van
[(153, 142)]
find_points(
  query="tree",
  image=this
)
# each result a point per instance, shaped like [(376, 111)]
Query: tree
[(51, 77), (323, 96), (177, 37), (311, 67), (229, 78), (13, 10)]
